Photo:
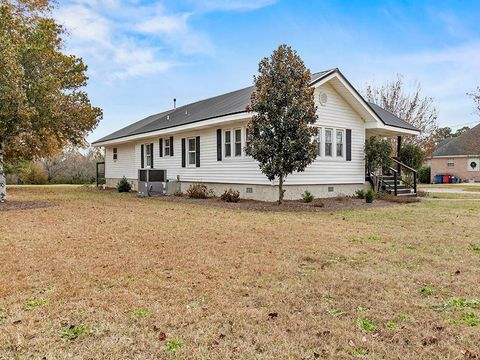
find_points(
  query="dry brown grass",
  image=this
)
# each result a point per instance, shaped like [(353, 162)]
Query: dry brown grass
[(123, 277)]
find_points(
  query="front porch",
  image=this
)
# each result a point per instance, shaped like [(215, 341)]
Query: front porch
[(397, 178)]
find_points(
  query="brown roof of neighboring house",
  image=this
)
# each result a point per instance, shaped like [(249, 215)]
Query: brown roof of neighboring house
[(466, 144)]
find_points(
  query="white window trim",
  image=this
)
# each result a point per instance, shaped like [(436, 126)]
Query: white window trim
[(450, 161), (165, 147), (147, 155), (333, 157), (189, 151), (243, 144), (234, 143)]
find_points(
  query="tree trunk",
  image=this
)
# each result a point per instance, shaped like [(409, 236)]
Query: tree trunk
[(281, 192), (3, 180)]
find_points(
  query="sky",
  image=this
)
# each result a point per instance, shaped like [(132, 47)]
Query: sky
[(143, 53)]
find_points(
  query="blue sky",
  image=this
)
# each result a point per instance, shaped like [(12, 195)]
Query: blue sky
[(142, 54)]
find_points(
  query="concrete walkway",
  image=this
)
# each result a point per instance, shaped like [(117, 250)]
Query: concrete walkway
[(449, 191)]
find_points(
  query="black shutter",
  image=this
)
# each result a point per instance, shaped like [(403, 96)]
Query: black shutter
[(160, 145), (197, 151), (183, 152), (219, 144), (142, 156), (171, 145), (151, 155), (348, 137)]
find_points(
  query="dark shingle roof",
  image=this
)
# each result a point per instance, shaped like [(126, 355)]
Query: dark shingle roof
[(389, 119), (466, 144), (227, 104)]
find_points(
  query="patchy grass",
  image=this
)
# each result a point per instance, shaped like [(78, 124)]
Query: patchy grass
[(34, 303), (153, 279)]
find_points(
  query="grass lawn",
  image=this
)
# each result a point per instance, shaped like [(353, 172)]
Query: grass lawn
[(104, 275)]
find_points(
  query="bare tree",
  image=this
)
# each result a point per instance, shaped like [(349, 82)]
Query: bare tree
[(476, 98), (413, 107)]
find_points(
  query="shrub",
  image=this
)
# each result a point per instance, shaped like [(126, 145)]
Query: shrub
[(230, 195), (424, 174), (178, 193), (411, 155), (34, 174), (198, 191), (307, 196), (123, 185), (360, 193), (369, 195)]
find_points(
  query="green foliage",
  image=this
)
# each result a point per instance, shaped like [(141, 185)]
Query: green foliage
[(369, 196), (33, 174), (280, 130), (198, 191), (35, 303), (377, 156), (43, 105), (141, 313), (230, 195), (307, 196), (411, 155), (74, 331), (173, 345), (475, 248), (360, 193), (467, 318), (426, 290), (391, 324), (424, 174), (366, 325), (123, 185)]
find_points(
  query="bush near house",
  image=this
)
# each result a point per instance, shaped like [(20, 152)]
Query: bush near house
[(198, 191), (369, 196), (424, 174), (230, 195), (307, 197), (360, 193), (123, 185)]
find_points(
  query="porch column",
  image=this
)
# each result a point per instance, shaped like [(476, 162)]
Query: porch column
[(399, 146)]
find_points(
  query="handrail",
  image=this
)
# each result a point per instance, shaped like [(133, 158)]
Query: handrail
[(403, 165)]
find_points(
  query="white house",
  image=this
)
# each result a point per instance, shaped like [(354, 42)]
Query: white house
[(204, 142)]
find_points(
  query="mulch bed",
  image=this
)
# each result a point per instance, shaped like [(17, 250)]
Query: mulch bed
[(327, 204), (23, 205)]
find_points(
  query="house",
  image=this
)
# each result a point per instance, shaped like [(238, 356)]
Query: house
[(458, 156), (203, 142)]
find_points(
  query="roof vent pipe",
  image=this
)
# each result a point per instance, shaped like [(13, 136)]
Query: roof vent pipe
[(174, 103)]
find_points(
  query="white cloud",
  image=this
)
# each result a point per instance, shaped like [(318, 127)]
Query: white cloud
[(233, 5)]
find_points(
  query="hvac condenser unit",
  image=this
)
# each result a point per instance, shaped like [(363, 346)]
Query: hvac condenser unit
[(152, 182)]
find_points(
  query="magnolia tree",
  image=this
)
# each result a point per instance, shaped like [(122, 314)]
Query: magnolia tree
[(42, 105), (280, 131)]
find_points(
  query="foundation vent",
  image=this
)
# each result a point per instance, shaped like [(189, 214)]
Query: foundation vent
[(249, 190), (331, 189)]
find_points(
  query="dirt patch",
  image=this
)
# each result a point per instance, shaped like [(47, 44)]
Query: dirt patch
[(23, 205), (327, 204)]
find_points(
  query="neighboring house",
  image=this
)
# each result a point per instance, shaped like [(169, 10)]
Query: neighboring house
[(458, 156), (204, 142)]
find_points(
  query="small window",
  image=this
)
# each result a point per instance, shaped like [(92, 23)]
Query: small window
[(115, 154), (228, 143), (238, 142), (451, 163), (328, 142), (318, 142), (248, 139), (339, 143), (148, 155), (192, 160), (167, 147)]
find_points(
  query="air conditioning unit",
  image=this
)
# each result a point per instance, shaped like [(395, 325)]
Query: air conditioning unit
[(152, 182)]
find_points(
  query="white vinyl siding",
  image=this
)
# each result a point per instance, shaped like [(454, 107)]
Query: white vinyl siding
[(337, 114)]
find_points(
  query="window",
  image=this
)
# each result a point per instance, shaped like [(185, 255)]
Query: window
[(192, 160), (339, 143), (451, 163), (318, 142), (167, 147), (228, 143), (247, 137), (328, 142), (115, 154), (238, 142), (148, 155)]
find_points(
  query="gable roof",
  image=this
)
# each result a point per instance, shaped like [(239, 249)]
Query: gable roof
[(466, 144), (231, 103)]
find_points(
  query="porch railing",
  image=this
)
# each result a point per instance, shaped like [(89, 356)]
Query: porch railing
[(406, 174)]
